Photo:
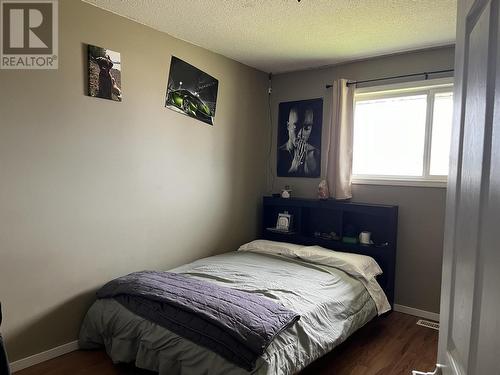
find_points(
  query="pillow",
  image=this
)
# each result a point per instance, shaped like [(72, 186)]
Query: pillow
[(354, 264), (272, 247)]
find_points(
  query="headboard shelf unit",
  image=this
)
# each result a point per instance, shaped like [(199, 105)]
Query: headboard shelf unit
[(326, 216)]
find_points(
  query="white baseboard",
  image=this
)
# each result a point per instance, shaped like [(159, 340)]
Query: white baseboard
[(43, 356), (417, 312)]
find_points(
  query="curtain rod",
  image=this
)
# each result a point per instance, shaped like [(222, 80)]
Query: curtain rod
[(425, 74)]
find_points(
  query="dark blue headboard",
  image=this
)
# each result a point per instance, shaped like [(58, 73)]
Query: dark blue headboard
[(325, 216)]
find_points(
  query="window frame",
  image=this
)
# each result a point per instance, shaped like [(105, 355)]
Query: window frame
[(429, 87)]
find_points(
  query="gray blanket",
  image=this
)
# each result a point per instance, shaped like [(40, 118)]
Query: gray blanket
[(235, 324)]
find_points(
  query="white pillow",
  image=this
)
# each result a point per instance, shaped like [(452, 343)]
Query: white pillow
[(354, 264), (272, 247)]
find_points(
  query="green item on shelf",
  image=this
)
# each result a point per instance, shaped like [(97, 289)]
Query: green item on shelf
[(352, 240)]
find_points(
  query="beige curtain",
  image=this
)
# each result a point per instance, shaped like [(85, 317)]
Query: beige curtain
[(339, 155)]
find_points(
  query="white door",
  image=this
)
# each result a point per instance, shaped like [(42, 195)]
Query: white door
[(469, 341)]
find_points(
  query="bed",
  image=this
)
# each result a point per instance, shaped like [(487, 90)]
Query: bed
[(335, 288), (333, 301)]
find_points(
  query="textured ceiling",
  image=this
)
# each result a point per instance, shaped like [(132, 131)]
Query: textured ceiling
[(285, 35)]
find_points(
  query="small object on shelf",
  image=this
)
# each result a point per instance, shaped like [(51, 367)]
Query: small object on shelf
[(284, 221), (286, 192), (335, 236), (323, 192), (327, 236), (351, 240), (364, 238)]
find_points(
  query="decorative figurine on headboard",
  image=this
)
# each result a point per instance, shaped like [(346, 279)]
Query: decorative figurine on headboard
[(323, 192), (286, 192)]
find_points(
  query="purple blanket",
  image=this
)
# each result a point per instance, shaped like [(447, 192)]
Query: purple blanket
[(234, 324)]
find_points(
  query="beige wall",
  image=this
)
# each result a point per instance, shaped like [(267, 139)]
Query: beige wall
[(92, 189), (421, 210)]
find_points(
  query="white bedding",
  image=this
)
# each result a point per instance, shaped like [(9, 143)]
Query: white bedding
[(332, 305)]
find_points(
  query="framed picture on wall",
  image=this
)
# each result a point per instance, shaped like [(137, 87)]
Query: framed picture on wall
[(191, 91), (104, 73), (299, 138)]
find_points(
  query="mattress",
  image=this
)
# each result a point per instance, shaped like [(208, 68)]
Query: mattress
[(331, 303)]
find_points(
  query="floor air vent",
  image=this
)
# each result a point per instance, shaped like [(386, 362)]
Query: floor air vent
[(428, 324)]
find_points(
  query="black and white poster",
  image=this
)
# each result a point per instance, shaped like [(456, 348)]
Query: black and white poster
[(299, 138), (191, 91)]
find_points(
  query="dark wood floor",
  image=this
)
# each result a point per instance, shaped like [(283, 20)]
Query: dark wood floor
[(386, 346)]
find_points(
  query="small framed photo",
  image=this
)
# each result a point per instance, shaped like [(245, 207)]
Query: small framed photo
[(284, 222), (105, 73)]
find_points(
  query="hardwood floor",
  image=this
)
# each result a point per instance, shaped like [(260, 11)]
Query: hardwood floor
[(389, 345)]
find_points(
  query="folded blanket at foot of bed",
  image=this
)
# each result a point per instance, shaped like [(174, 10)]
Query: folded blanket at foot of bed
[(234, 324)]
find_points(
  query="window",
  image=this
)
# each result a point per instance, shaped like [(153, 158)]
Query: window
[(402, 133)]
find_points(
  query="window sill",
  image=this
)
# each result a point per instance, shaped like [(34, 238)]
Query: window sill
[(400, 182)]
